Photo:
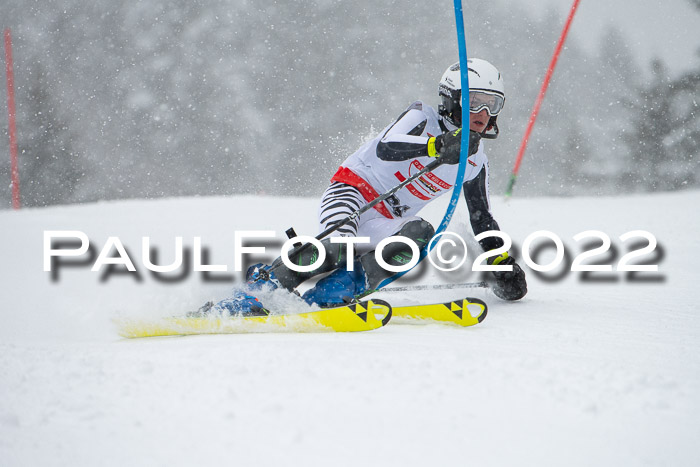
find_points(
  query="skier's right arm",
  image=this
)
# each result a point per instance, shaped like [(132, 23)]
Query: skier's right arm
[(404, 140)]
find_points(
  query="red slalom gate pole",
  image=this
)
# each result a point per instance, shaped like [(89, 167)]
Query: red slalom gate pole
[(540, 98), (11, 112)]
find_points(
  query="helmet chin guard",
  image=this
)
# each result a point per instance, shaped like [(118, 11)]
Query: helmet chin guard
[(492, 126)]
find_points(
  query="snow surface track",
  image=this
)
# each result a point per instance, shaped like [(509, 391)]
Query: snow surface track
[(577, 373)]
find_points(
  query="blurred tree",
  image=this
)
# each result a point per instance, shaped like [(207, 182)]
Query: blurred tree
[(187, 97), (665, 141), (51, 170)]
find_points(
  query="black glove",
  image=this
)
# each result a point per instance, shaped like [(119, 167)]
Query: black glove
[(509, 285), (448, 145), (474, 140)]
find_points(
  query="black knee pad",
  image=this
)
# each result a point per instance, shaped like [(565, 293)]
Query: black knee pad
[(419, 231), (397, 253), (336, 257)]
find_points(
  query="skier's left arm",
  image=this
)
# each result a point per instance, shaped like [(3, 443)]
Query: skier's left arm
[(509, 285)]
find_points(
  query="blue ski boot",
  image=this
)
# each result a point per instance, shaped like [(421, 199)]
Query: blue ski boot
[(338, 288), (260, 276), (241, 303)]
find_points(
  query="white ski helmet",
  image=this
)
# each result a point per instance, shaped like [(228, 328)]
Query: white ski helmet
[(486, 91)]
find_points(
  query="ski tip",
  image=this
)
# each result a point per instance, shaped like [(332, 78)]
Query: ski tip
[(387, 316), (480, 303)]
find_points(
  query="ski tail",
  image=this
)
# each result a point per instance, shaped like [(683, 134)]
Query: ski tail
[(358, 316)]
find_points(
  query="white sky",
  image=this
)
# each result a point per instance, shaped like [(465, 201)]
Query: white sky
[(669, 29)]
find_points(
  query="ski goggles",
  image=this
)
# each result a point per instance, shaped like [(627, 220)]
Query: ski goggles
[(479, 100)]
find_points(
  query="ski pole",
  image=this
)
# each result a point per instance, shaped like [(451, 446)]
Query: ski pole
[(411, 288), (430, 167)]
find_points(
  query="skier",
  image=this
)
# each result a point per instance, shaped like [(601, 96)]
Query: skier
[(415, 139)]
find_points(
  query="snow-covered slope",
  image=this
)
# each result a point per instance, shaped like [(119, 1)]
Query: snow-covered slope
[(603, 372)]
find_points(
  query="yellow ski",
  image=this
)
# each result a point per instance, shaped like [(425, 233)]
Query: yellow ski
[(361, 316), (466, 312)]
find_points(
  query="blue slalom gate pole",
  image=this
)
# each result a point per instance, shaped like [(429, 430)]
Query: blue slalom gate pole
[(457, 189)]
